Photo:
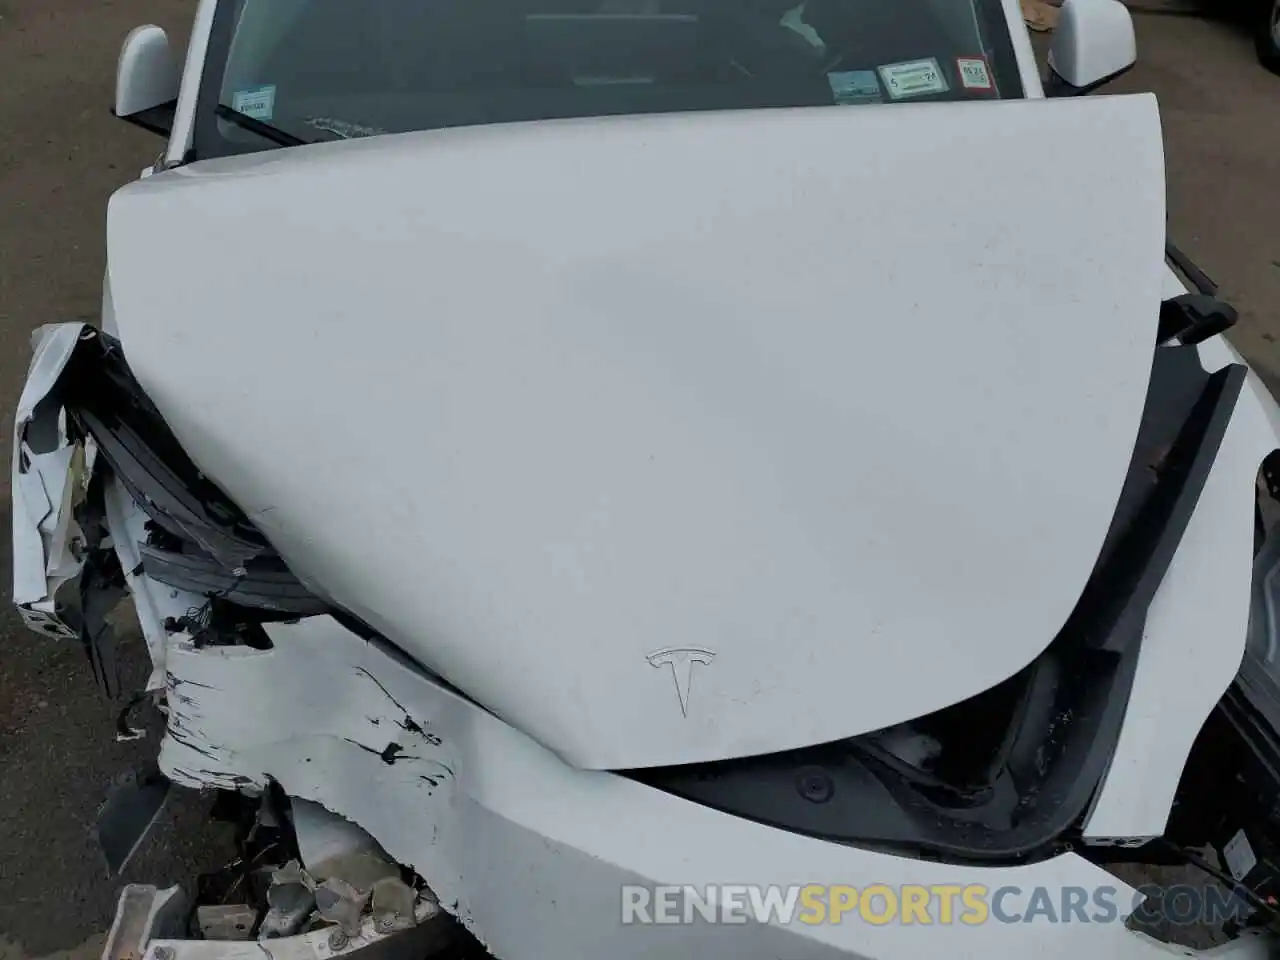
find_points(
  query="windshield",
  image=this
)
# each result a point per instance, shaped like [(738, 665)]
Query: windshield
[(331, 69)]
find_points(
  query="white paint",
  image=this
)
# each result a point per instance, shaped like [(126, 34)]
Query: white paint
[(1092, 42), (672, 382), (530, 852), (1172, 287), (1193, 640), (35, 573), (1196, 627), (44, 522), (146, 74)]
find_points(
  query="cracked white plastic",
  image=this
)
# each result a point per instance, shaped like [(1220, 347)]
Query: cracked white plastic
[(529, 852)]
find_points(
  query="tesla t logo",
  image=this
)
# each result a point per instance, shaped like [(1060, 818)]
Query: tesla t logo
[(681, 661)]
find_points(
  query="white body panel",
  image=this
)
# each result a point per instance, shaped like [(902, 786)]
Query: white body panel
[(1093, 41), (146, 74), (1195, 631), (43, 490), (532, 854), (470, 400)]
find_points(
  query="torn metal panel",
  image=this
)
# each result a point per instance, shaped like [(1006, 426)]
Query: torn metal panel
[(46, 473), (322, 687), (65, 475), (65, 582), (332, 718), (51, 347), (70, 516), (34, 497)]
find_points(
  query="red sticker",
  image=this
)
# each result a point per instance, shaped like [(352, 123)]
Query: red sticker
[(974, 74)]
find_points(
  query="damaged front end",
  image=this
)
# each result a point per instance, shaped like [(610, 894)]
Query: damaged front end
[(108, 505), (349, 899), (119, 506), (380, 809)]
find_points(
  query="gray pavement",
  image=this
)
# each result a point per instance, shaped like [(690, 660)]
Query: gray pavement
[(61, 155)]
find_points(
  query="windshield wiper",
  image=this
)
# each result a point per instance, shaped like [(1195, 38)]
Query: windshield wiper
[(254, 125)]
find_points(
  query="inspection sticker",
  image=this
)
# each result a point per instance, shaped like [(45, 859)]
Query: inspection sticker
[(855, 86), (974, 74), (913, 78), (258, 102)]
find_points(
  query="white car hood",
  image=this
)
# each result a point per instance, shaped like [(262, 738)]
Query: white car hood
[(838, 399)]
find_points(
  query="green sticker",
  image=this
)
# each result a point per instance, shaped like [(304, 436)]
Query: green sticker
[(913, 78), (257, 102)]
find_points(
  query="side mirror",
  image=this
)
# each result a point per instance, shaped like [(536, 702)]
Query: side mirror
[(1093, 43), (147, 80)]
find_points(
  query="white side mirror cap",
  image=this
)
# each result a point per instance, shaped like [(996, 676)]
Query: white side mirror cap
[(146, 74), (1093, 43)]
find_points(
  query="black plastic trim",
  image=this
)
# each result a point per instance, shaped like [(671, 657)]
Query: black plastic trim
[(266, 585), (1189, 269), (1055, 85), (199, 539), (157, 119), (1073, 697)]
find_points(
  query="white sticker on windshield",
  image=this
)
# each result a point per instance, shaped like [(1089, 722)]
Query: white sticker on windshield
[(974, 74), (913, 78), (258, 102), (854, 86)]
